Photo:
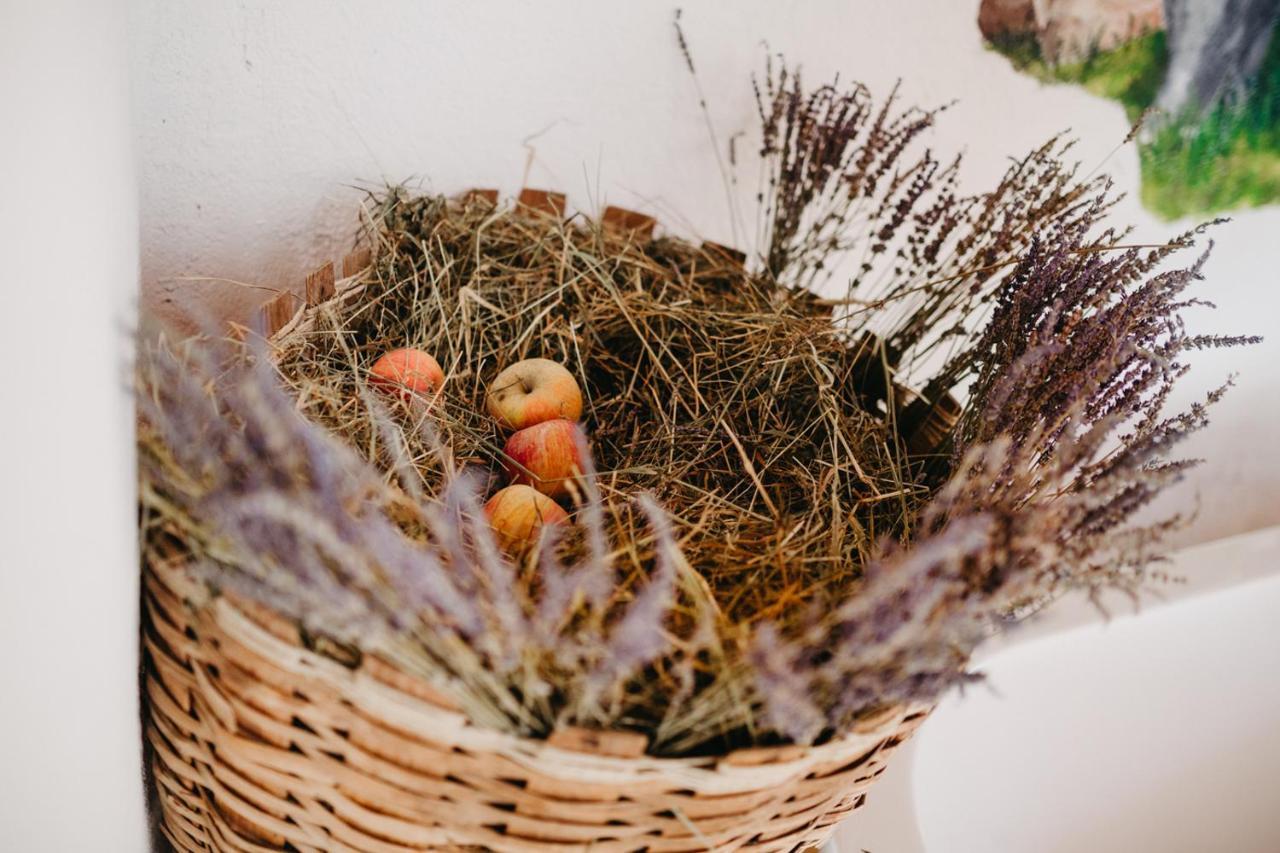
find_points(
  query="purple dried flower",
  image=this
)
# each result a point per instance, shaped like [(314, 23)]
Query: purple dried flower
[(639, 635), (786, 683)]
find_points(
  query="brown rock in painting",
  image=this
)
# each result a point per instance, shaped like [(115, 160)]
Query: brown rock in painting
[(1001, 18), (1070, 30)]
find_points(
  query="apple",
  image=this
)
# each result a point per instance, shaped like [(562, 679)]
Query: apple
[(533, 391), (410, 372), (517, 513), (545, 456)]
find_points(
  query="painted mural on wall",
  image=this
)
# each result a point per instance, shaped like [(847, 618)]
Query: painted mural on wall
[(1205, 73)]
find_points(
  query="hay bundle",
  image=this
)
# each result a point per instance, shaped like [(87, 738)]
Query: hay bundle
[(787, 526), (732, 400)]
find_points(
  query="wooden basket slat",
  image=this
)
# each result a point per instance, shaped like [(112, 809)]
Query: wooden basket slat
[(545, 202), (319, 284), (634, 223), (356, 261)]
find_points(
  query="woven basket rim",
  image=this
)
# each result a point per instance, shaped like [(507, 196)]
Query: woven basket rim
[(406, 705)]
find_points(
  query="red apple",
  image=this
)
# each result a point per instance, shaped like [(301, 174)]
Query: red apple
[(533, 391), (517, 513), (409, 372), (545, 456)]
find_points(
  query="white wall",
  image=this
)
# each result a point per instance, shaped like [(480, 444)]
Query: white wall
[(1171, 746), (70, 762), (255, 118), (1168, 746)]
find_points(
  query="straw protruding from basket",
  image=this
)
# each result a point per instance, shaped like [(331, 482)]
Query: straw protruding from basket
[(725, 254), (486, 196)]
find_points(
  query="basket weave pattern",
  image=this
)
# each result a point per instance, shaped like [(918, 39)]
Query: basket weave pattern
[(259, 743)]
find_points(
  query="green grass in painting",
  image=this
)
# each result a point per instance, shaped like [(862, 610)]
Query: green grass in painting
[(1227, 158), (1130, 74)]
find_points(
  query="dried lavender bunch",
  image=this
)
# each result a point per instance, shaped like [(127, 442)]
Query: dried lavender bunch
[(846, 182), (831, 158), (275, 508), (1063, 437)]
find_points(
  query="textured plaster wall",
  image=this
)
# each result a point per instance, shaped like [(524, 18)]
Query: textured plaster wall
[(70, 746), (255, 120)]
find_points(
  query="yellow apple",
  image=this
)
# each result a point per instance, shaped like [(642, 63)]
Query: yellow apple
[(534, 391), (517, 513)]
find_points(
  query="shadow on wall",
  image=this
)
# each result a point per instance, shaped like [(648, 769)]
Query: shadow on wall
[(1206, 73)]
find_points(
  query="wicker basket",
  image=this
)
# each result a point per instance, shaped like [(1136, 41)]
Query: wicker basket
[(261, 742)]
